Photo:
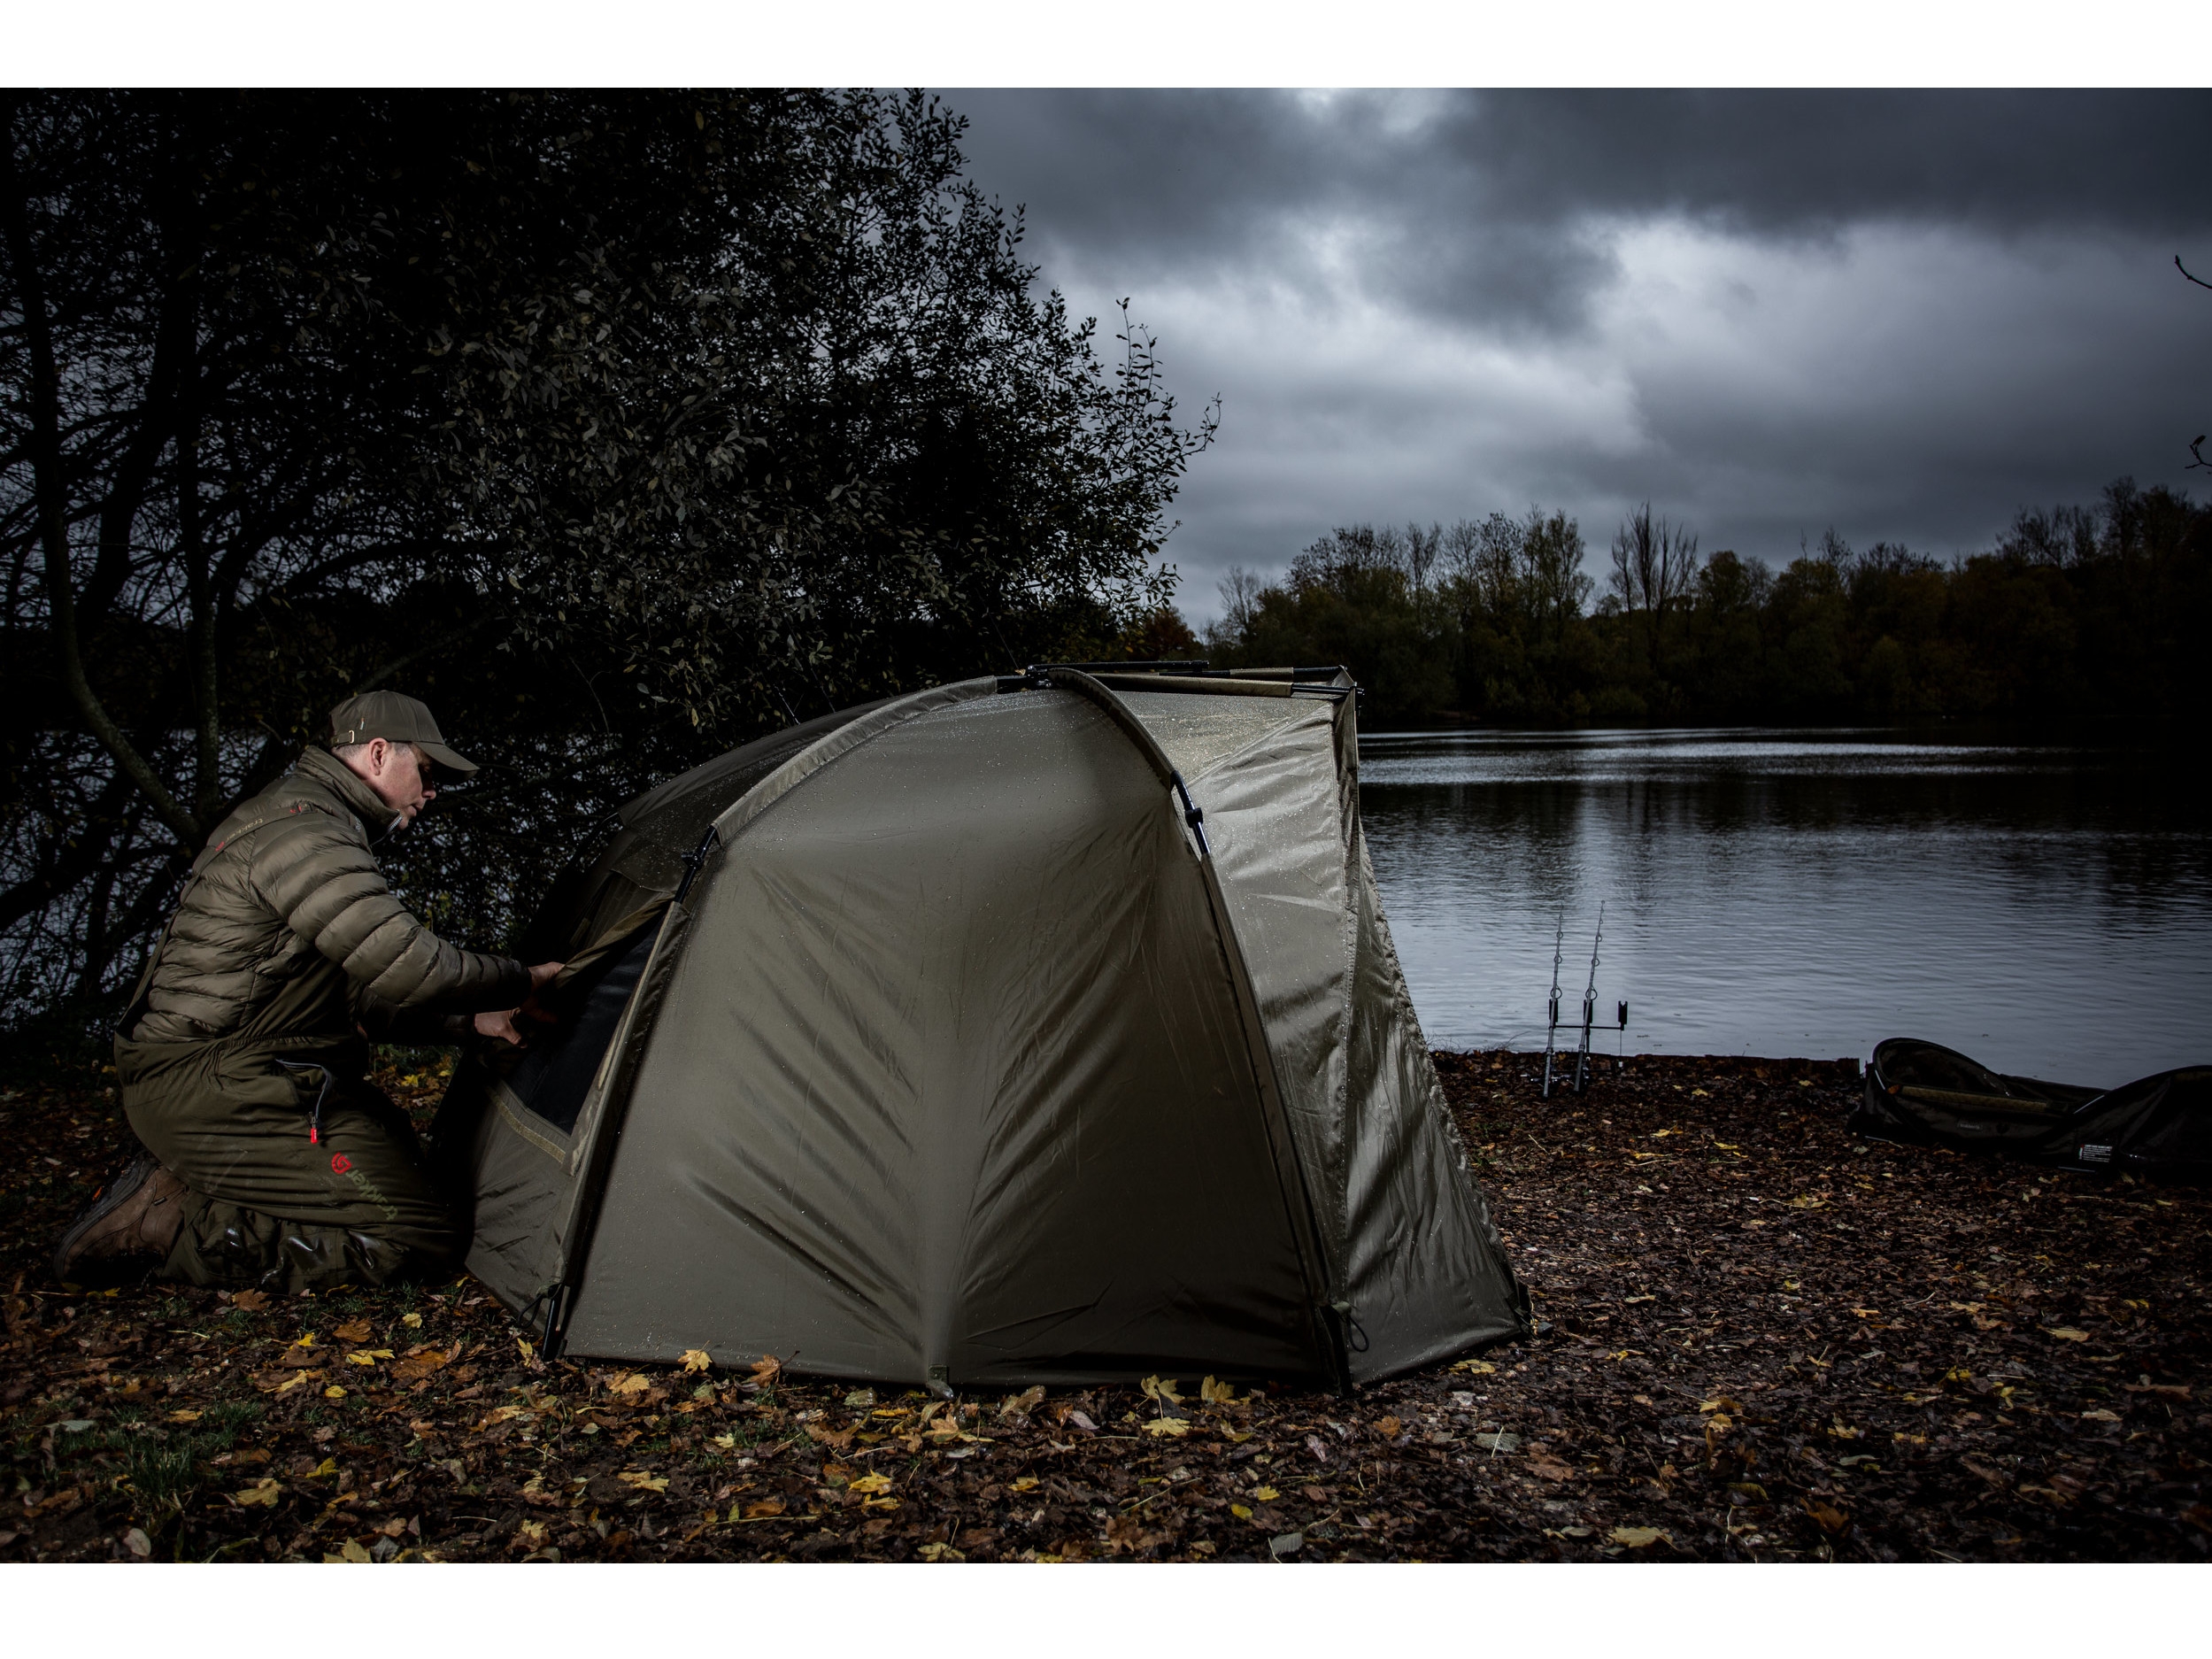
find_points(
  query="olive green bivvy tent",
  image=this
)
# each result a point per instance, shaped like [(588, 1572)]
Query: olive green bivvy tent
[(1035, 1030)]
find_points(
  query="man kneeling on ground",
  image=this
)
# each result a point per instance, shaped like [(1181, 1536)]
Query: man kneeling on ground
[(244, 1056)]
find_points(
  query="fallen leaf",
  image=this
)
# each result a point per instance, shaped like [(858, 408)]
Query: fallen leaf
[(1024, 1483), (1242, 1511), (1175, 1428), (184, 1416), (2100, 1415), (367, 1356), (767, 1507), (695, 1360), (642, 1481), (939, 1552), (838, 1439), (1028, 1401), (351, 1551), (1475, 1368), (2065, 1333), (1215, 1393), (1808, 1202), (1640, 1537), (1722, 1403), (252, 1301), (1550, 1469), (632, 1383), (2171, 1391), (1155, 1389), (413, 1321), (1830, 1520), (333, 1392), (421, 1361), (1388, 1428), (1265, 1494), (262, 1492), (353, 1330), (765, 1369), (872, 1484)]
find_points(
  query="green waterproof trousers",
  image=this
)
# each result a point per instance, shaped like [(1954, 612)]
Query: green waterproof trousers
[(270, 1208)]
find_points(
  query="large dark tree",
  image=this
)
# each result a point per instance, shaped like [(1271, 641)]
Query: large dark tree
[(621, 426)]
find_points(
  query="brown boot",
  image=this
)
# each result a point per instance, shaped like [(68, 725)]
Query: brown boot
[(127, 1229)]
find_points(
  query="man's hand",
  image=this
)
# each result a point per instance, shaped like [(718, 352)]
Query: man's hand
[(503, 1024)]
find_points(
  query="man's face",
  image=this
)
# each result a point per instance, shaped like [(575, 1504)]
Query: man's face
[(400, 776)]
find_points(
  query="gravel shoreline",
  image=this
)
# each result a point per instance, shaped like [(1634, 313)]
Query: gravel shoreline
[(1760, 1338)]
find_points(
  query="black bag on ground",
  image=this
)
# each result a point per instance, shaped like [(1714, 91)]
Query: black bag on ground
[(2159, 1127)]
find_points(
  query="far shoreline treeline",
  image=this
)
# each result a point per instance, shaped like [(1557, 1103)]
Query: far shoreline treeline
[(2076, 615)]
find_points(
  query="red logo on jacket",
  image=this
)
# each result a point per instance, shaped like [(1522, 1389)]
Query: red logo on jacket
[(340, 1163)]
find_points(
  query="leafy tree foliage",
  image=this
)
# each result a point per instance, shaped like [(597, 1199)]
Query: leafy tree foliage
[(621, 427), (2076, 613)]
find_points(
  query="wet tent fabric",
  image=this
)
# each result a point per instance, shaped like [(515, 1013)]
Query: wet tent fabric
[(2159, 1127), (958, 1061)]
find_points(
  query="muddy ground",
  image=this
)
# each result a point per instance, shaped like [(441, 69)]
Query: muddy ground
[(1758, 1338)]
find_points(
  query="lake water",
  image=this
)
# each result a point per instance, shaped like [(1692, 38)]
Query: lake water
[(2048, 910)]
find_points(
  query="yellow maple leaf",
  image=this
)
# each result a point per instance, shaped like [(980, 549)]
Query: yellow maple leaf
[(413, 1321), (727, 1442), (1475, 1368), (766, 1369), (1024, 1483), (333, 1392), (1155, 1389), (1175, 1428), (635, 1383), (262, 1492), (1640, 1537), (695, 1360), (642, 1481), (872, 1484), (1808, 1202), (1215, 1393), (368, 1356), (1265, 1494), (1242, 1512)]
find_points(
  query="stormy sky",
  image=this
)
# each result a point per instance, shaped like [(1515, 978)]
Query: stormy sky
[(1902, 315)]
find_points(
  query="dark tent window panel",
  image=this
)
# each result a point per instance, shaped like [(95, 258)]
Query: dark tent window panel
[(556, 1070)]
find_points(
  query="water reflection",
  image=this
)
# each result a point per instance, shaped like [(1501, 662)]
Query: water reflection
[(2047, 909)]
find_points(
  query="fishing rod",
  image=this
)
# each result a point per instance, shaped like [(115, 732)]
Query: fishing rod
[(1559, 948), (1589, 1006)]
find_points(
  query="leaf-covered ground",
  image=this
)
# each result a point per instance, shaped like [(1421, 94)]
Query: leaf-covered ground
[(1760, 1338)]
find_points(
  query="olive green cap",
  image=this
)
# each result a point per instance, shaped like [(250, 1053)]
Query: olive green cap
[(395, 719)]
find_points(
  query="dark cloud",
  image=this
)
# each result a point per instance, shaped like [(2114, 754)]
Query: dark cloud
[(1903, 313)]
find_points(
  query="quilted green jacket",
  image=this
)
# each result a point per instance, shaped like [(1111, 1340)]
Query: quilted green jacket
[(287, 928)]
